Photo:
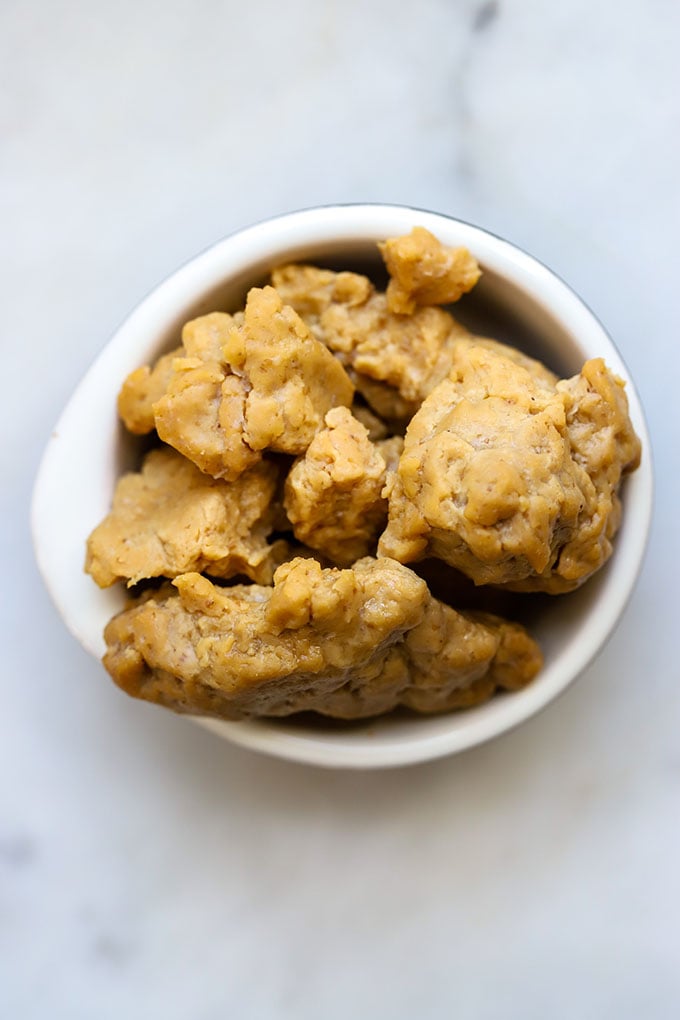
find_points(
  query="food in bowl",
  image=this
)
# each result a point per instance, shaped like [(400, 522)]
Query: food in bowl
[(503, 468), (510, 479), (344, 643)]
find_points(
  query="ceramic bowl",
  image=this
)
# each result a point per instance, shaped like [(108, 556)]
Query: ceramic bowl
[(518, 300)]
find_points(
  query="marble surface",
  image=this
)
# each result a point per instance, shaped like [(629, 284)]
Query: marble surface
[(150, 870)]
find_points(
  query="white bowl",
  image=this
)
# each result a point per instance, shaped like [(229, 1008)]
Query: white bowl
[(518, 300)]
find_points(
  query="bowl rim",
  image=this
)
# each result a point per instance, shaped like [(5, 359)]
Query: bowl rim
[(353, 223)]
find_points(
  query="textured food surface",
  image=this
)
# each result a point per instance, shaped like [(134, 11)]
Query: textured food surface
[(510, 480), (142, 389), (292, 379), (349, 643), (238, 386), (315, 442), (375, 426), (395, 360), (333, 495), (423, 271), (170, 518), (202, 411)]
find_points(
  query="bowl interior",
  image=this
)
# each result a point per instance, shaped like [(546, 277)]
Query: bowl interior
[(517, 301)]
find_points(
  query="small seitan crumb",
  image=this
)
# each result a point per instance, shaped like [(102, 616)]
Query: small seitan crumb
[(423, 271)]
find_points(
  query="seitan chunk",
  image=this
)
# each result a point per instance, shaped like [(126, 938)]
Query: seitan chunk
[(510, 480), (423, 271), (202, 415), (292, 380), (333, 495), (170, 518), (347, 643)]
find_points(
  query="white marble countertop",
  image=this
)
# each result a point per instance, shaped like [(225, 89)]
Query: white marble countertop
[(148, 869)]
